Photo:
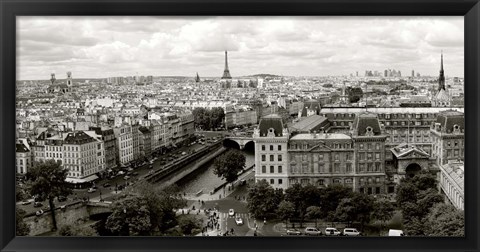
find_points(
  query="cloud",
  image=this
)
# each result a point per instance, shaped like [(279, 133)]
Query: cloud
[(107, 46)]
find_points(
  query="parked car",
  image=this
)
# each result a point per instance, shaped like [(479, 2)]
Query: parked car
[(351, 232), (332, 231), (91, 190), (293, 232), (106, 185), (39, 212), (121, 172), (312, 231), (239, 221), (231, 212), (395, 232), (61, 198), (37, 204)]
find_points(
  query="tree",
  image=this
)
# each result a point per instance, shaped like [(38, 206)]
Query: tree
[(285, 211), (161, 204), (354, 94), (302, 197), (47, 181), (330, 198), (22, 228), (229, 165), (263, 200), (358, 207), (217, 116), (130, 216), (314, 212), (383, 210), (445, 220), (189, 225)]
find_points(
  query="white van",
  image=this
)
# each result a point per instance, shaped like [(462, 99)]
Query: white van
[(395, 232), (351, 232)]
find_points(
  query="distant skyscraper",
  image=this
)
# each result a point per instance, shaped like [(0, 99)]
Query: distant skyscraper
[(226, 72), (413, 73), (197, 78)]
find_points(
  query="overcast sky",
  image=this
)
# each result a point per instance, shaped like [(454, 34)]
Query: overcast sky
[(93, 47)]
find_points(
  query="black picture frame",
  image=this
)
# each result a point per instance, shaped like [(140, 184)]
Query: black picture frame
[(470, 9)]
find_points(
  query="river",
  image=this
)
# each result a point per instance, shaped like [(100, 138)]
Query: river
[(204, 178)]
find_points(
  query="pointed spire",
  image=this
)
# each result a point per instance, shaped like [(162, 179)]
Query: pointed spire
[(441, 61), (441, 78), (197, 78), (226, 72), (52, 79)]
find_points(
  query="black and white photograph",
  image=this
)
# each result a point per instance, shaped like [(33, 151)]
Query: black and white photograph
[(304, 126)]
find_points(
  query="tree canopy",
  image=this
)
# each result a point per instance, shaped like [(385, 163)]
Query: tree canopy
[(207, 119), (263, 200), (229, 165), (46, 180)]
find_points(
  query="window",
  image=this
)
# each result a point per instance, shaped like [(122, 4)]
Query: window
[(271, 169), (271, 158), (321, 168), (279, 157), (264, 158), (362, 156), (377, 156), (320, 182), (369, 167), (280, 169), (263, 147), (336, 167), (337, 157), (377, 180), (280, 181), (361, 146), (369, 156), (279, 147), (348, 181), (272, 181), (377, 146), (362, 167), (377, 190), (377, 167), (320, 156), (264, 169), (369, 146), (271, 147), (349, 168)]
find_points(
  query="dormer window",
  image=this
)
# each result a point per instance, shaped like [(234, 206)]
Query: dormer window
[(456, 128)]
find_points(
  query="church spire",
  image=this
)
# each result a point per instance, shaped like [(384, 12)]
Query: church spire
[(226, 72), (441, 78), (197, 78)]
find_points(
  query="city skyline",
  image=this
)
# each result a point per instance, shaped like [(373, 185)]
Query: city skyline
[(100, 47)]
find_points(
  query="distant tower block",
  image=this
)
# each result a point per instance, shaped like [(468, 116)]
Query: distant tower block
[(69, 79), (52, 78), (226, 72)]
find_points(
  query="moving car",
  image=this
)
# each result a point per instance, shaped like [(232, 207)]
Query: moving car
[(312, 231), (231, 212), (332, 231), (91, 190), (351, 232), (239, 221), (293, 232)]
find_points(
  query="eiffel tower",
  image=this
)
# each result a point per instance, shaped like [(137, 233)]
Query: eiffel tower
[(226, 72)]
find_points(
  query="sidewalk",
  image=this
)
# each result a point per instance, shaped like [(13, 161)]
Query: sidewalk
[(220, 194)]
